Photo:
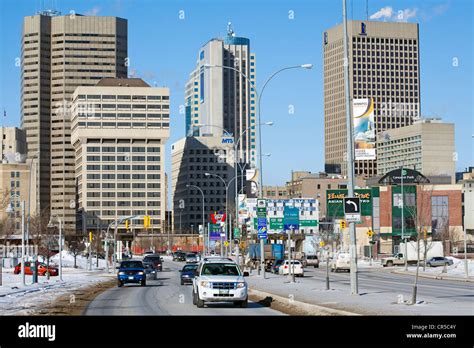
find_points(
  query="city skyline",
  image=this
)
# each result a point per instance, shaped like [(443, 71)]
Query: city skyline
[(169, 65)]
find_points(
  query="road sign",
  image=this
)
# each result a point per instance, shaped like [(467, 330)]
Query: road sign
[(352, 209), (226, 243), (351, 205), (236, 232), (370, 233), (291, 218), (261, 207), (321, 244)]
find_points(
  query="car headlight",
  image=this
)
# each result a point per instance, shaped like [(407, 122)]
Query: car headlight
[(140, 273), (185, 275), (121, 273), (241, 285), (205, 284)]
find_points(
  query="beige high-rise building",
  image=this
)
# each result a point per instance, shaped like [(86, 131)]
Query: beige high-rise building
[(119, 131), (60, 53), (17, 185), (383, 66), (426, 146)]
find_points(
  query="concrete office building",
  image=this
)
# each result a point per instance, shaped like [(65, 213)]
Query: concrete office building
[(275, 192), (426, 146), (15, 187), (60, 53), (119, 131), (191, 158), (383, 66), (13, 146), (222, 98)]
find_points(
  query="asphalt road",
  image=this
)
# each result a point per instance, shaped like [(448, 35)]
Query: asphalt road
[(382, 279), (164, 296)]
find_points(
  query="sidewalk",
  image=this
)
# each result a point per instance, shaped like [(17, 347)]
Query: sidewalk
[(370, 301)]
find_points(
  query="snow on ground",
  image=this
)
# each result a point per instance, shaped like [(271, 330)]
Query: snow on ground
[(81, 261), (457, 269), (19, 299)]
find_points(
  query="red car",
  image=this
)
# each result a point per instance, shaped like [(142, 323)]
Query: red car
[(53, 271)]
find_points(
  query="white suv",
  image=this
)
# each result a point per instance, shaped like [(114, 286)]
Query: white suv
[(219, 280)]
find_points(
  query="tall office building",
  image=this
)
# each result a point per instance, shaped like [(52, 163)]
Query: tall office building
[(221, 98), (191, 159), (383, 68), (119, 131), (60, 53)]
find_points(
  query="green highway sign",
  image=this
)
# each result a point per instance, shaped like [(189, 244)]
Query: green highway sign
[(308, 223), (261, 208), (236, 232)]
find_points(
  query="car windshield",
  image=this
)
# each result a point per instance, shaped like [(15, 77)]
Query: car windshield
[(220, 269), (311, 257), (131, 264), (189, 268), (190, 255), (151, 259)]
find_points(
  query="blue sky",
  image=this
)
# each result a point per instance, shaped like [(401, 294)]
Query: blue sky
[(163, 49)]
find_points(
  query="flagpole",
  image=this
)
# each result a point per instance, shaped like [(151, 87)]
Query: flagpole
[(3, 126)]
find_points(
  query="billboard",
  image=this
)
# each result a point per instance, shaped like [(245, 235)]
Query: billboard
[(364, 128)]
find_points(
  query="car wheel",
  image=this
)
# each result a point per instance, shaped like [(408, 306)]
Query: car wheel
[(428, 264), (244, 303), (119, 284), (182, 282), (199, 302), (389, 263), (143, 283)]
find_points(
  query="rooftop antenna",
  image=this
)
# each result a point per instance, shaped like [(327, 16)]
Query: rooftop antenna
[(230, 31), (367, 10), (50, 11)]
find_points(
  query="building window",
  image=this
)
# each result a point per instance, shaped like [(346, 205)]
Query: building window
[(439, 214)]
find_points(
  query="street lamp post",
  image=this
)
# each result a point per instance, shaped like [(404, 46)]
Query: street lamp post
[(350, 154), (203, 210), (10, 210)]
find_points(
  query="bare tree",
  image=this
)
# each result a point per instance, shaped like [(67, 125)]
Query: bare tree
[(7, 225), (75, 245), (45, 237), (420, 213)]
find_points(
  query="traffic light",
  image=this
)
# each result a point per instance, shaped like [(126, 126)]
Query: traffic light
[(370, 233), (342, 224), (425, 233), (126, 225), (90, 236), (146, 221)]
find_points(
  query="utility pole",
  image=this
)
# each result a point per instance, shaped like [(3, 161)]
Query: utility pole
[(466, 267), (405, 254), (350, 154), (23, 243)]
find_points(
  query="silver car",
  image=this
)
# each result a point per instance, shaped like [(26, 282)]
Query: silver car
[(439, 261), (191, 258)]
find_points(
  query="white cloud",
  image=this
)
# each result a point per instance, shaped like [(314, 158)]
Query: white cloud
[(384, 12), (93, 11), (405, 15), (388, 13)]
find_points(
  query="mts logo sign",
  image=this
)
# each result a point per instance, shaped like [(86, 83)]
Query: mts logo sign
[(227, 140)]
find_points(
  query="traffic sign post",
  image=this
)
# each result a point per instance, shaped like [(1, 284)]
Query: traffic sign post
[(262, 231)]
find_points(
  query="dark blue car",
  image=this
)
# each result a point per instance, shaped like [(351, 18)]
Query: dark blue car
[(131, 272), (187, 273)]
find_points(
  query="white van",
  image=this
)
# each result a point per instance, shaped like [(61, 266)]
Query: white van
[(342, 261)]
